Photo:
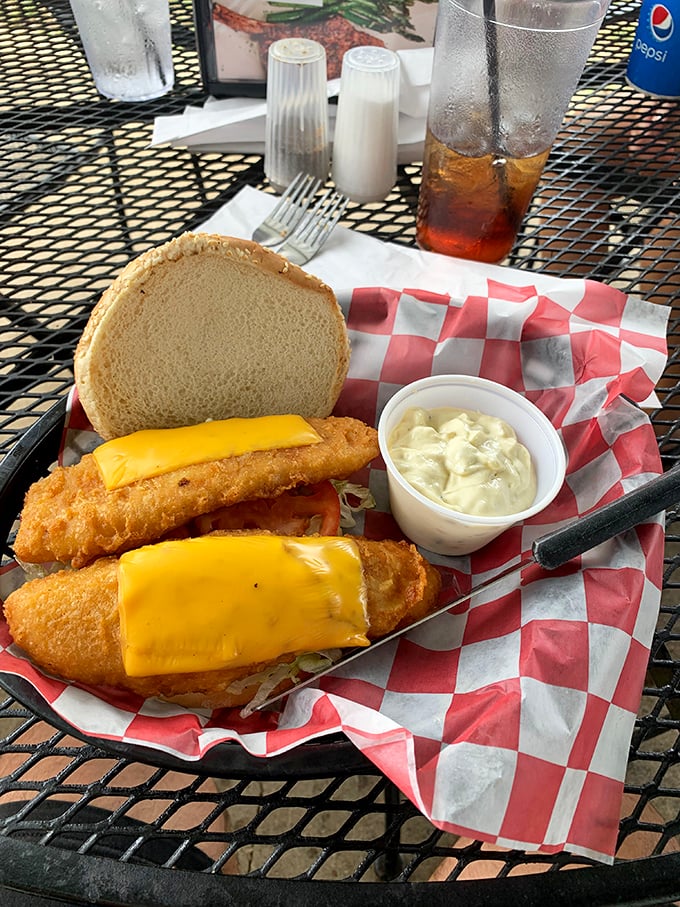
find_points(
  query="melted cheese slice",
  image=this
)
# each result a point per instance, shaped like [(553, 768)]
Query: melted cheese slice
[(154, 452), (214, 602)]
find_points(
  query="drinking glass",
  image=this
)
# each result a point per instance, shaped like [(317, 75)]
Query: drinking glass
[(503, 74), (128, 46)]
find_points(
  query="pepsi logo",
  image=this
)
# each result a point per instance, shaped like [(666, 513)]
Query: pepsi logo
[(661, 22)]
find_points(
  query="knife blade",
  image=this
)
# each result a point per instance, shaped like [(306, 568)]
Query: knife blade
[(549, 551)]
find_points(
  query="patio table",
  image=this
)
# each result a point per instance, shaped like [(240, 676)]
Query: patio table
[(91, 822)]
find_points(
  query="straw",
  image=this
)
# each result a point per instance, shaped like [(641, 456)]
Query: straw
[(491, 39)]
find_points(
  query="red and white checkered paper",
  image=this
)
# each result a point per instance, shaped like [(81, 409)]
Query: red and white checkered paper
[(509, 718)]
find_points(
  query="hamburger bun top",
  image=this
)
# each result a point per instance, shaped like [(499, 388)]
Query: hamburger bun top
[(210, 327)]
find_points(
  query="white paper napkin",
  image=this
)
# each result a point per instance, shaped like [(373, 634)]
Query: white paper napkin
[(416, 75), (238, 124), (352, 259)]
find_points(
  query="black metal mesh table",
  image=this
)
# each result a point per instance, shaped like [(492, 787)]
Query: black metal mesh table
[(81, 193)]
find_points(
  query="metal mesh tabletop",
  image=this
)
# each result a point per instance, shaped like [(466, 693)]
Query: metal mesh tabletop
[(81, 193)]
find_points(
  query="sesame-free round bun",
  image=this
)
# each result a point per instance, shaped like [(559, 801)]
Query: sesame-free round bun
[(210, 327)]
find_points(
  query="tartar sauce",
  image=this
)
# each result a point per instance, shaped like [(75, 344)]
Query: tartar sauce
[(465, 460)]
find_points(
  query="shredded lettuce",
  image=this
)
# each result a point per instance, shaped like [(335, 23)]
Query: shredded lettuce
[(353, 498), (313, 662), (270, 678)]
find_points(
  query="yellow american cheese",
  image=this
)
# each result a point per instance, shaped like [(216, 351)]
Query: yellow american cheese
[(206, 603), (154, 452)]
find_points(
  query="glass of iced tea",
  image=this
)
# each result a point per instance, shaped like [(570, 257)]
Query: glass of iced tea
[(503, 74)]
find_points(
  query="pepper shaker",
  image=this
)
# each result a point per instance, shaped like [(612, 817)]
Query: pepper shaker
[(296, 132), (366, 126)]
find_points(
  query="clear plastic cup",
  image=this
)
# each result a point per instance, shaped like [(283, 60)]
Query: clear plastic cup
[(128, 46), (503, 74), (296, 132), (439, 528)]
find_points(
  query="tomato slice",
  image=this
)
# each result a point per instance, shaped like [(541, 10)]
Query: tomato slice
[(304, 510)]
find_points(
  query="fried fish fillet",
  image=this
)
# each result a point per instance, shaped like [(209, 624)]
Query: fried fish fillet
[(68, 624), (69, 516)]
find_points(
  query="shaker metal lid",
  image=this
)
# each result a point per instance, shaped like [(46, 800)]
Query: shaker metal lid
[(371, 59), (297, 50)]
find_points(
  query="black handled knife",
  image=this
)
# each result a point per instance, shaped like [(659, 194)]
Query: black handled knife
[(550, 551)]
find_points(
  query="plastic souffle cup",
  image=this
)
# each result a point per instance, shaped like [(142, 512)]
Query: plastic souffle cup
[(439, 528)]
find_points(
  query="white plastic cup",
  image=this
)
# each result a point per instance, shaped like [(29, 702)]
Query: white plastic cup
[(366, 137), (128, 46), (441, 529), (296, 125)]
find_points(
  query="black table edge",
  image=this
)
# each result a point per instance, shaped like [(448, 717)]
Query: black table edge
[(34, 868)]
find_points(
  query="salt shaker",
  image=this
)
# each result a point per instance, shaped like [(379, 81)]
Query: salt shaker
[(366, 127), (296, 134)]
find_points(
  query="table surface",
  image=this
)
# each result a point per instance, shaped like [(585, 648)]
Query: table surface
[(81, 193)]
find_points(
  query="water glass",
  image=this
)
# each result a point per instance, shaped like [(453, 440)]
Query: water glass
[(128, 46)]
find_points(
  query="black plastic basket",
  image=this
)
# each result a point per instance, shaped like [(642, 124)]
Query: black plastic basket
[(27, 461)]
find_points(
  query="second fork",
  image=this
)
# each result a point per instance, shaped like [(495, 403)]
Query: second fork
[(314, 228), (289, 211)]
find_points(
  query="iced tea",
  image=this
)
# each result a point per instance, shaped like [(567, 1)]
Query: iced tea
[(472, 207)]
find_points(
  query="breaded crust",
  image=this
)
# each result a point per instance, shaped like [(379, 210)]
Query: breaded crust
[(68, 624), (69, 516)]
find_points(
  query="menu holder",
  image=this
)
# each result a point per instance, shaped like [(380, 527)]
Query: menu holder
[(233, 37)]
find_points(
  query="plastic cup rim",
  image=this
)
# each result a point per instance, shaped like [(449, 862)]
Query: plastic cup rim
[(540, 28)]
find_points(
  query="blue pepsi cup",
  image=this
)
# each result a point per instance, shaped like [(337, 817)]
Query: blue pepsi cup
[(654, 64)]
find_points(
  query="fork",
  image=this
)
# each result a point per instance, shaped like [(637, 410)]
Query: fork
[(288, 212), (314, 228)]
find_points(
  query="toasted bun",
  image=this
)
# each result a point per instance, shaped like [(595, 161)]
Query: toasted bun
[(210, 327)]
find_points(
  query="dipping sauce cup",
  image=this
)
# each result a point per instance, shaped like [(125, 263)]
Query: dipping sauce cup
[(439, 528)]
